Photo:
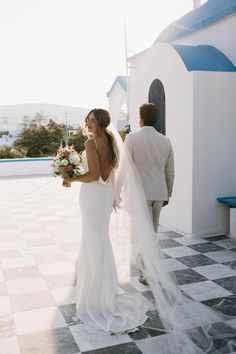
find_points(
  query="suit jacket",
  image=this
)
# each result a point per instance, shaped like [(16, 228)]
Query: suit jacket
[(153, 156)]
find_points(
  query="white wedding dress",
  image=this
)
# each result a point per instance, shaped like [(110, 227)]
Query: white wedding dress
[(99, 303)]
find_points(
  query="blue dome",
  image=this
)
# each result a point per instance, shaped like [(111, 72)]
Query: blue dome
[(204, 58), (204, 16)]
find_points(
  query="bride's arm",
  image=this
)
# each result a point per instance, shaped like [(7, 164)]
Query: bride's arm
[(93, 173)]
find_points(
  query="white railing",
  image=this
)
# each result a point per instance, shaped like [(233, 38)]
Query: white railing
[(26, 166)]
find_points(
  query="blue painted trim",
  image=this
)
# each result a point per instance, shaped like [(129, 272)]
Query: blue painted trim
[(229, 201), (204, 58), (204, 16), (28, 160)]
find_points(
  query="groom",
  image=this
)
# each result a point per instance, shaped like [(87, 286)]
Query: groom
[(153, 156)]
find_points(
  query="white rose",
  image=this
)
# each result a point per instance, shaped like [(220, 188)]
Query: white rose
[(74, 159), (57, 163), (78, 171), (64, 162), (56, 170)]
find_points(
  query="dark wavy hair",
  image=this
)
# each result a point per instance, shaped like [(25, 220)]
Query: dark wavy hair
[(103, 119), (149, 114)]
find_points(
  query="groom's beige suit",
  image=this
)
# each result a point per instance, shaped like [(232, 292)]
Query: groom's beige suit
[(153, 156)]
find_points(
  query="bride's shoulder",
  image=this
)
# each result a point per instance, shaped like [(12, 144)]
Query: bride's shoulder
[(90, 141)]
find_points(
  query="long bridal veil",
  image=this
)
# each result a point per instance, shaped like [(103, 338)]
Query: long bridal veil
[(186, 325)]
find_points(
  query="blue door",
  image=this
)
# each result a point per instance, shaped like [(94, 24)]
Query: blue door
[(156, 96)]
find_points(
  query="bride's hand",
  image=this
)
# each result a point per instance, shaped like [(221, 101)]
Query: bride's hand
[(116, 205), (68, 180)]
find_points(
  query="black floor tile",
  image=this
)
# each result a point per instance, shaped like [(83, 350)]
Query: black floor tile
[(197, 260), (221, 329), (224, 345), (127, 348), (206, 247), (59, 340), (169, 243), (172, 234), (231, 264), (148, 295), (216, 238), (226, 305), (142, 333), (188, 276), (69, 312), (228, 283), (153, 321)]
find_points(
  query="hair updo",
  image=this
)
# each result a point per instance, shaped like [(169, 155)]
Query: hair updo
[(103, 119)]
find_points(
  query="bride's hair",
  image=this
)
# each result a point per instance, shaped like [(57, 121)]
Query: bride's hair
[(103, 119)]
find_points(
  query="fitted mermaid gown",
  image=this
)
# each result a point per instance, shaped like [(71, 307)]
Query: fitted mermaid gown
[(98, 302)]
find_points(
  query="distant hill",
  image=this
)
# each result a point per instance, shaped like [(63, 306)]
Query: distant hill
[(11, 115)]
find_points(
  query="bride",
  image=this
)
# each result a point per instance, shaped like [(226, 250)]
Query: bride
[(110, 181), (98, 301)]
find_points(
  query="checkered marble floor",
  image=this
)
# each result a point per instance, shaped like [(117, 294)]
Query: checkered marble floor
[(39, 225)]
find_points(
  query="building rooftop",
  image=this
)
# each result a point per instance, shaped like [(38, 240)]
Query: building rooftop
[(121, 80), (39, 241), (197, 19)]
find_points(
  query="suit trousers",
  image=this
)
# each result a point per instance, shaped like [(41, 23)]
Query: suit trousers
[(154, 207)]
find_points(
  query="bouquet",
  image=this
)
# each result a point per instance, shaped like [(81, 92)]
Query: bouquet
[(67, 164)]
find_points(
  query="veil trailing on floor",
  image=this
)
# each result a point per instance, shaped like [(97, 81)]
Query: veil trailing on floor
[(186, 323)]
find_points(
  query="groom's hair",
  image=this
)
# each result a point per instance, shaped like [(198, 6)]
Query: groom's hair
[(149, 113)]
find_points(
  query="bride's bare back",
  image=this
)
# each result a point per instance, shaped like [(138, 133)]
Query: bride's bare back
[(105, 156)]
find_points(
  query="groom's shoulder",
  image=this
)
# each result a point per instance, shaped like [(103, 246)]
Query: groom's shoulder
[(130, 136), (133, 135)]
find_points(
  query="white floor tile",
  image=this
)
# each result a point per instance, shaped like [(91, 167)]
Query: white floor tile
[(64, 296), (56, 268), (18, 262), (9, 345), (204, 290), (24, 286), (44, 249), (4, 306), (222, 256), (38, 320), (170, 265), (187, 241), (215, 271), (181, 251)]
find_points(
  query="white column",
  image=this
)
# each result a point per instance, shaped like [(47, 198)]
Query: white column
[(232, 223)]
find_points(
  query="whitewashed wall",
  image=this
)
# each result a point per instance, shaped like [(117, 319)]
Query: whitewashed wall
[(163, 63), (25, 167), (115, 101), (214, 167), (221, 35)]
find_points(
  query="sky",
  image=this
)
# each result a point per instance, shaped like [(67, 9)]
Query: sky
[(69, 52)]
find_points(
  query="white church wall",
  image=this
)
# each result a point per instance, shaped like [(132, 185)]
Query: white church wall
[(115, 101), (214, 167), (163, 63), (221, 35), (136, 94)]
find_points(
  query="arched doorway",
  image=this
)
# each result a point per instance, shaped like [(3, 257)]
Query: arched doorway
[(156, 96)]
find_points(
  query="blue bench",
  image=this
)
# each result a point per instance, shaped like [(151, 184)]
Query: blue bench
[(231, 203)]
